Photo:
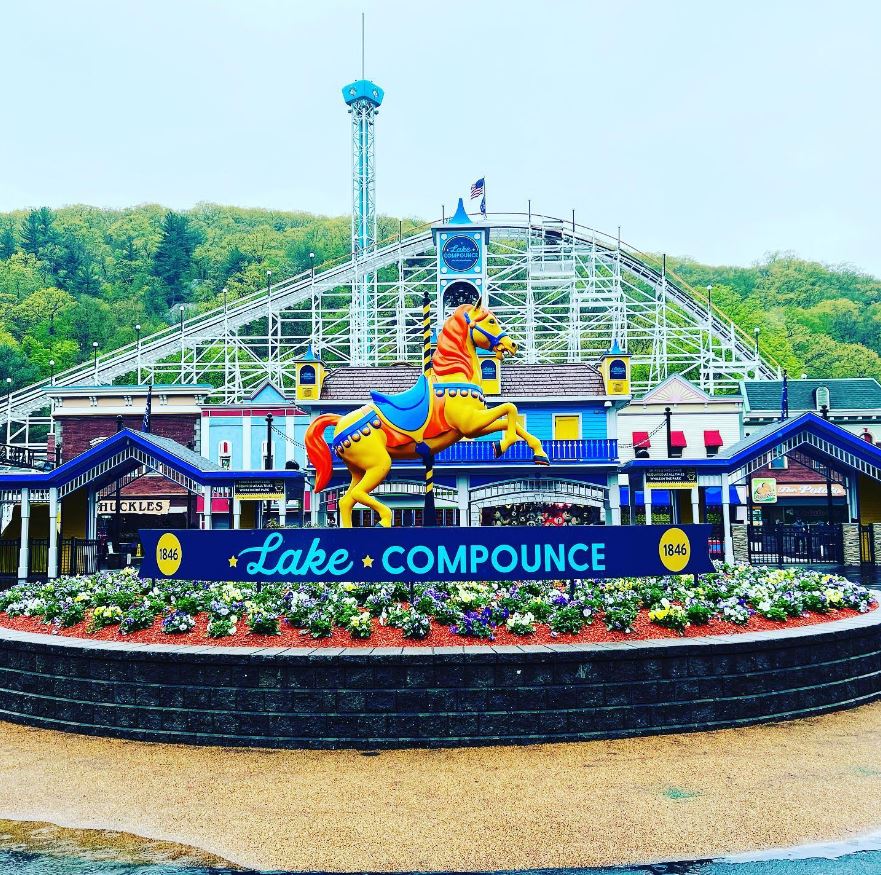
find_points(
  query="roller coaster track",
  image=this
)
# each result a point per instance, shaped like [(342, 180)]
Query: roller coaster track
[(219, 322)]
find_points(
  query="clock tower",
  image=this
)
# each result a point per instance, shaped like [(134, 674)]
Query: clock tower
[(461, 262)]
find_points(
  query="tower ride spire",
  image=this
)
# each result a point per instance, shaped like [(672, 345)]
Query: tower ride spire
[(363, 98)]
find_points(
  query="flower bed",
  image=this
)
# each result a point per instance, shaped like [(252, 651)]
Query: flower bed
[(120, 606)]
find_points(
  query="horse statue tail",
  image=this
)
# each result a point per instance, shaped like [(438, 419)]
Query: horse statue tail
[(317, 449)]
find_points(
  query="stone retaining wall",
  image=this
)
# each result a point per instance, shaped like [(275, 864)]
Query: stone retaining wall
[(392, 697)]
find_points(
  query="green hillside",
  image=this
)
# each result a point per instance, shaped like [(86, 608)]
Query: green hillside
[(77, 275)]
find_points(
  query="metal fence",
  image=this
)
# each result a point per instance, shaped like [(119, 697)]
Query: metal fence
[(796, 545)]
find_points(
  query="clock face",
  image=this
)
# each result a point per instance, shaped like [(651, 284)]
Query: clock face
[(460, 253)]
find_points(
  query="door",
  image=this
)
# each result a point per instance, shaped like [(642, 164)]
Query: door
[(567, 427)]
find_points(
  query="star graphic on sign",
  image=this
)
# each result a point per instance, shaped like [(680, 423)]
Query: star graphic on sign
[(233, 561), (367, 561)]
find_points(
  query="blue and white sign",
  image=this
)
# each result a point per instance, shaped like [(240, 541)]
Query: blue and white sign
[(460, 253), (413, 555)]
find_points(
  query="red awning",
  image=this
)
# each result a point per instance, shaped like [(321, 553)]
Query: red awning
[(641, 440), (712, 439), (677, 439), (218, 505)]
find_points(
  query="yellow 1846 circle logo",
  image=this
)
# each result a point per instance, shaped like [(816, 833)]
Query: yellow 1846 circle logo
[(674, 549), (168, 554)]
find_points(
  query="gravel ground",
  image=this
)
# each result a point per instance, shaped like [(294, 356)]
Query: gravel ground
[(558, 805)]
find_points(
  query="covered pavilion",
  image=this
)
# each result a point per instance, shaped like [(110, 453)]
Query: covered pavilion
[(59, 506), (815, 441)]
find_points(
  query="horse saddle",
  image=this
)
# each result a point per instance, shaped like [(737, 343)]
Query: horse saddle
[(406, 411)]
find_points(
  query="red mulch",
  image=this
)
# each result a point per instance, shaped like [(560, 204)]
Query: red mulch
[(440, 636)]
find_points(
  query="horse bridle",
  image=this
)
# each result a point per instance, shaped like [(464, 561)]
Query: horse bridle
[(494, 339)]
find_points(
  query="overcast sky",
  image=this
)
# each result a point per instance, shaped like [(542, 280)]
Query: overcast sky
[(716, 130)]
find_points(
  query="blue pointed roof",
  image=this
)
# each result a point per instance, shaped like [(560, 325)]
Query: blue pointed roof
[(615, 348), (460, 217), (309, 355)]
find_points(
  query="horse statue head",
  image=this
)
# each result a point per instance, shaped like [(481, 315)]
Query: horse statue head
[(470, 328)]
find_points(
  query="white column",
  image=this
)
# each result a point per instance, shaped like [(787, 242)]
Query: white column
[(236, 513), (205, 437), (53, 533), (24, 545), (462, 499), (289, 443), (283, 512), (91, 515), (614, 500), (647, 492), (726, 522), (246, 443), (206, 500), (314, 500), (695, 505)]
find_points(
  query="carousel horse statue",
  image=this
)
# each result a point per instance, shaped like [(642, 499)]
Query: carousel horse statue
[(445, 405)]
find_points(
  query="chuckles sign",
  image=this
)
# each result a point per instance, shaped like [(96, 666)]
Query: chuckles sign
[(413, 555)]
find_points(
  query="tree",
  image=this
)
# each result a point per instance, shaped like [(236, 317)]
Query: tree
[(38, 231), (7, 240), (173, 259), (41, 308)]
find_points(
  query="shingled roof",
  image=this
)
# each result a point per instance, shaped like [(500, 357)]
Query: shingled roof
[(858, 393), (518, 381)]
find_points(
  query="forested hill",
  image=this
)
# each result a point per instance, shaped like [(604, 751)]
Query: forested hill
[(77, 275)]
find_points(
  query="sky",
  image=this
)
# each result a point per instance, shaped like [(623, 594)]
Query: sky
[(717, 130)]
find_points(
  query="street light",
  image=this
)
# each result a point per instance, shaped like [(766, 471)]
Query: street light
[(138, 330), (8, 409), (757, 330), (710, 302), (95, 350), (181, 311), (51, 372)]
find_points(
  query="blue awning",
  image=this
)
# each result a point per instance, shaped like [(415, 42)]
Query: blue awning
[(712, 496), (659, 497)]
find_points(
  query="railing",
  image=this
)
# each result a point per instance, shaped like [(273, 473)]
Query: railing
[(78, 556), (590, 450), (17, 456)]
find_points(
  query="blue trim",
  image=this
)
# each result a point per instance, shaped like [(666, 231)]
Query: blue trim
[(347, 432)]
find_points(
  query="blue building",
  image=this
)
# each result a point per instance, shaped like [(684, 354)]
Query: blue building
[(566, 406)]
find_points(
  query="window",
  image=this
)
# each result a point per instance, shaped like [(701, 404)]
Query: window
[(641, 444), (781, 463), (489, 369), (677, 444), (712, 442), (567, 427), (821, 397), (224, 454)]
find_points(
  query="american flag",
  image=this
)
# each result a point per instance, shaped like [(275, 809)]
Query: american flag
[(477, 188)]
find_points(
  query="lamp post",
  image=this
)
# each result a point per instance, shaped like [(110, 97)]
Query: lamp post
[(267, 461), (95, 351), (756, 331), (138, 331), (181, 310), (51, 372), (269, 317), (316, 316), (8, 409)]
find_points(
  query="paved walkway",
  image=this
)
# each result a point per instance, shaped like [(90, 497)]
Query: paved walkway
[(596, 803)]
